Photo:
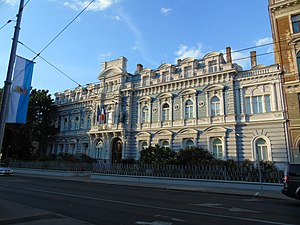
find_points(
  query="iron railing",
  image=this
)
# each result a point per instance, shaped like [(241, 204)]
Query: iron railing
[(208, 172)]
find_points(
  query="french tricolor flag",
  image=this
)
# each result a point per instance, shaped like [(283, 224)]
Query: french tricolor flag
[(20, 91)]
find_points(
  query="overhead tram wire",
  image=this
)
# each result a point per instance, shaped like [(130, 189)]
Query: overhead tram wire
[(39, 54), (64, 28), (51, 64)]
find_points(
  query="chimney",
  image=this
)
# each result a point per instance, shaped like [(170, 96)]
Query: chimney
[(139, 68), (228, 55), (253, 59)]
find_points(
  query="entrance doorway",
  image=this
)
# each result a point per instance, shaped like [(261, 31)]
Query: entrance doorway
[(116, 150)]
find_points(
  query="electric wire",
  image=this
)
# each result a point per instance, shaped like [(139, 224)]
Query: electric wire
[(39, 54), (51, 64), (65, 27)]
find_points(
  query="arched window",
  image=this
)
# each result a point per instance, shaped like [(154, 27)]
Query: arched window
[(165, 144), (215, 106), (88, 124), (217, 148), (145, 114), (65, 124), (261, 149), (165, 112), (189, 143), (77, 123), (99, 150), (189, 109), (85, 148), (144, 145)]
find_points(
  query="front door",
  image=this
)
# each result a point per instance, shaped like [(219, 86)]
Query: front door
[(117, 146)]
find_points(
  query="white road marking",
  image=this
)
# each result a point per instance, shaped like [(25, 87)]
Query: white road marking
[(153, 207), (170, 218), (153, 223), (220, 206), (243, 210)]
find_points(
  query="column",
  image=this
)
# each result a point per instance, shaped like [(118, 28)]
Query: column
[(273, 99), (207, 105)]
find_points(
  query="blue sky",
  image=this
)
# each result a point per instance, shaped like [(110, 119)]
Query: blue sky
[(150, 32)]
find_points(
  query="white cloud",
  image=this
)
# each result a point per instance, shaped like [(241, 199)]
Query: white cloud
[(116, 18), (165, 11), (104, 56), (11, 2), (268, 42), (263, 41), (185, 51), (97, 5), (242, 59)]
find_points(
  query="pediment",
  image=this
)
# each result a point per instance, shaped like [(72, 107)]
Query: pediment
[(110, 72)]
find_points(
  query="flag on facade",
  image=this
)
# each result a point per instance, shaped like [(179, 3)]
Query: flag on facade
[(20, 91), (102, 117), (98, 113)]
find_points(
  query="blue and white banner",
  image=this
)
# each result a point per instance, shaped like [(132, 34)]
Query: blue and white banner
[(20, 91)]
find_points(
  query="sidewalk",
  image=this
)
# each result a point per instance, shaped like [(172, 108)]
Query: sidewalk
[(17, 214)]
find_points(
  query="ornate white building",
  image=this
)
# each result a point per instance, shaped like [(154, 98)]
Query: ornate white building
[(209, 103)]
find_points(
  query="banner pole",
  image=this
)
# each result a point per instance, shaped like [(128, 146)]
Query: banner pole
[(7, 82)]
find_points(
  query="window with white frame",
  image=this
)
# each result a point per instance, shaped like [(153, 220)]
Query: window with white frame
[(89, 122), (257, 104), (144, 145), (77, 123), (189, 109), (146, 80), (215, 106), (165, 144), (217, 148), (145, 114), (296, 23), (99, 150), (261, 149), (189, 143), (188, 71), (65, 124), (165, 77), (165, 112)]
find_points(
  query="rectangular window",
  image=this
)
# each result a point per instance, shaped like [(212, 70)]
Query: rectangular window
[(257, 104), (296, 23), (146, 80), (268, 103), (247, 105)]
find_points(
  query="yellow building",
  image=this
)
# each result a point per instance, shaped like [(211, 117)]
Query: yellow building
[(285, 22)]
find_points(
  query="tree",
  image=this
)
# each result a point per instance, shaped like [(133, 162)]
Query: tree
[(19, 138), (40, 116), (157, 155), (192, 156)]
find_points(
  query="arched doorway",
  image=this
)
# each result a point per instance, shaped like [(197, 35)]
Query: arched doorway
[(116, 151)]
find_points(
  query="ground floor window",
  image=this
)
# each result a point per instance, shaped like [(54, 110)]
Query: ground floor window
[(217, 148), (261, 149), (165, 144), (189, 143)]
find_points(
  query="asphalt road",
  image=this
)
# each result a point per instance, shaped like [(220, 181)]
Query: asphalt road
[(115, 204)]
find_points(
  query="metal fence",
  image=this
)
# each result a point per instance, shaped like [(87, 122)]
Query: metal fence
[(208, 172)]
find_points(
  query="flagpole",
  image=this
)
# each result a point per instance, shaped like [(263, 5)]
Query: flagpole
[(7, 82)]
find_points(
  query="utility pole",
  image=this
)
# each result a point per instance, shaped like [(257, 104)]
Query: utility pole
[(7, 83)]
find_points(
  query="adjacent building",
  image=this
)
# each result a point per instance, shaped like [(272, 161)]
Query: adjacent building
[(209, 103), (285, 22)]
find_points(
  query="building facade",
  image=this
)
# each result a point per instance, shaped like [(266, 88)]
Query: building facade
[(209, 103), (285, 22)]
